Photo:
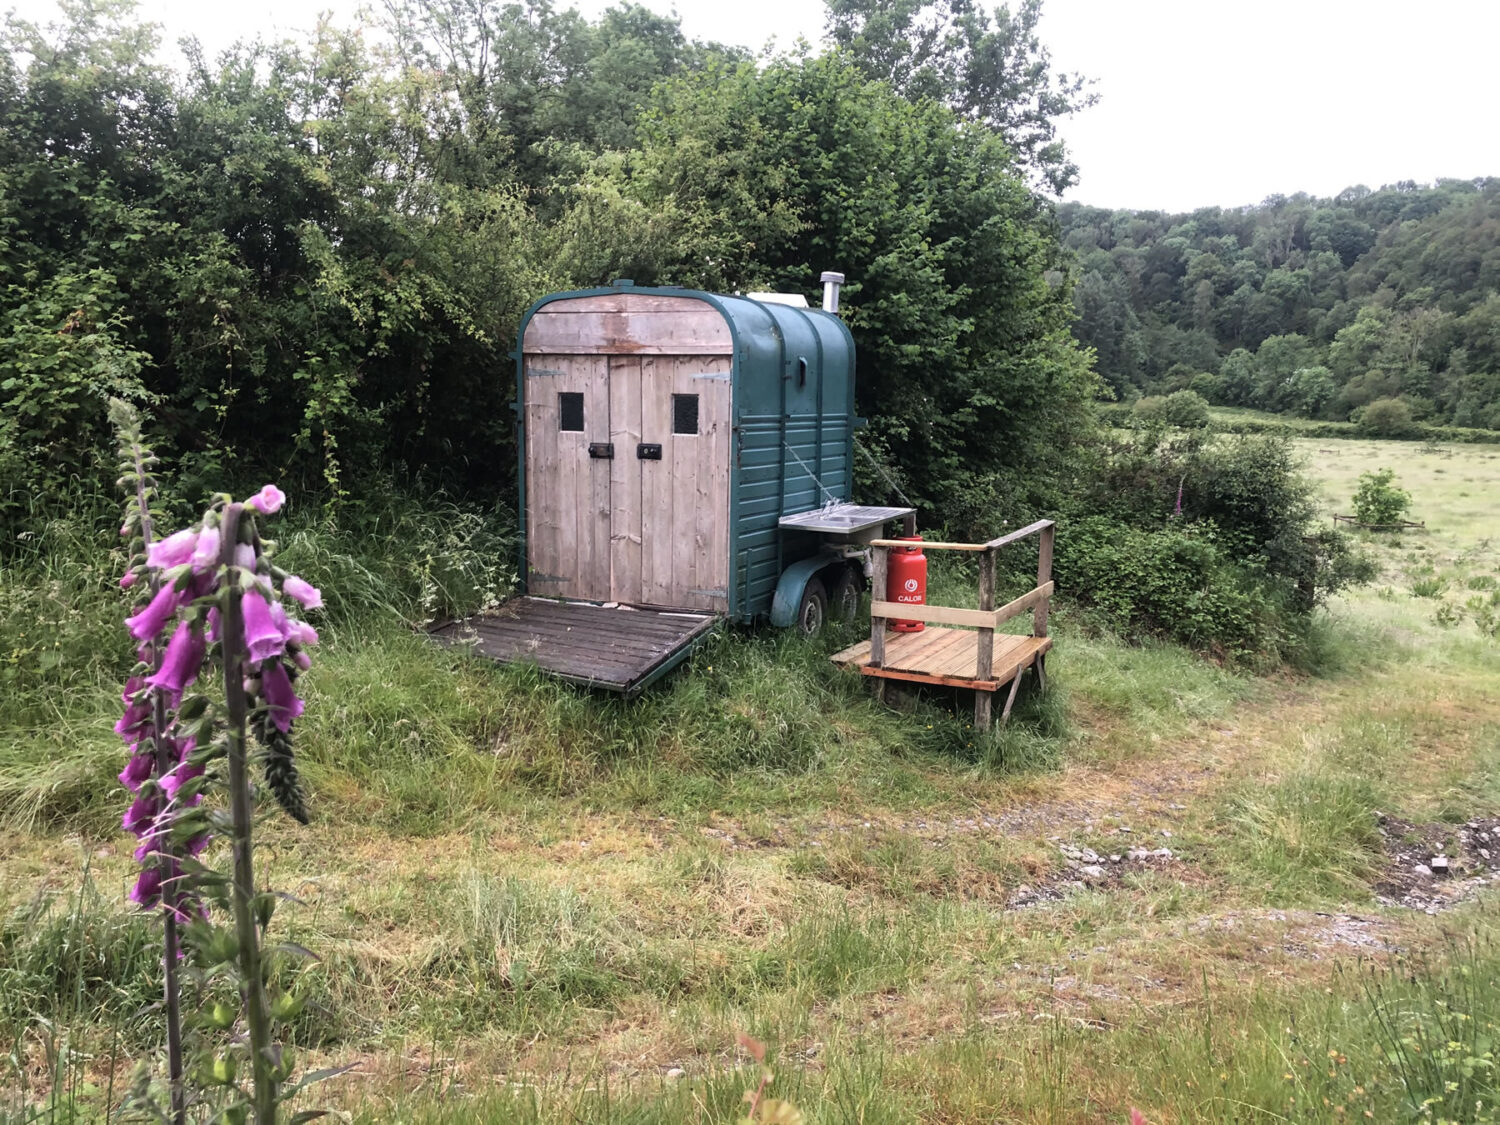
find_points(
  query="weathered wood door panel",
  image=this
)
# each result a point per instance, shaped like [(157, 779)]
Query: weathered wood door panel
[(648, 525), (624, 559), (567, 489), (682, 518)]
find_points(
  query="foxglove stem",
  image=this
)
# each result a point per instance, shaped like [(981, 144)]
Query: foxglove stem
[(252, 985), (170, 895)]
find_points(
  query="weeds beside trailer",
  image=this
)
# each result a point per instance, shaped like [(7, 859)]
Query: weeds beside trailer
[(672, 444)]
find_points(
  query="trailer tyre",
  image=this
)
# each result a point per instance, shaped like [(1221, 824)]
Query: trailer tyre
[(813, 611), (843, 595)]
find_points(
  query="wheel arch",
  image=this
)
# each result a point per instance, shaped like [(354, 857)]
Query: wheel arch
[(793, 582)]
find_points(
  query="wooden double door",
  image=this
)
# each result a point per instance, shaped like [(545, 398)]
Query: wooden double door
[(627, 478)]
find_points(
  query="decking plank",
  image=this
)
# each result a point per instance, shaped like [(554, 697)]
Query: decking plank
[(615, 621), (518, 645), (625, 622), (583, 625), (955, 650), (947, 658), (619, 649)]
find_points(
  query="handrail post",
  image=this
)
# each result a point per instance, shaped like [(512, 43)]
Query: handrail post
[(880, 564), (985, 649), (1043, 576)]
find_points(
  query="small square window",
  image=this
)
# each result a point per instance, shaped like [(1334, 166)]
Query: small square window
[(570, 411), (684, 414)]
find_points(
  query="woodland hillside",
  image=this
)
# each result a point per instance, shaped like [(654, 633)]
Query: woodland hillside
[(1314, 307)]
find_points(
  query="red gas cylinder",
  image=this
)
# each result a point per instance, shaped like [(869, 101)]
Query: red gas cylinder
[(906, 581)]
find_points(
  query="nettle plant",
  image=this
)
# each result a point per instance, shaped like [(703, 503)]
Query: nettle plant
[(221, 643)]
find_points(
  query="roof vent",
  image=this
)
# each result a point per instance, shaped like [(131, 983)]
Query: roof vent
[(796, 300)]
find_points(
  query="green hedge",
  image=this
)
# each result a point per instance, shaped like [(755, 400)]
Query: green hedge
[(1121, 415)]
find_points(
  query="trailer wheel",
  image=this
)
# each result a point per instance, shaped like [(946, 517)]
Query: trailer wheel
[(843, 596), (813, 611)]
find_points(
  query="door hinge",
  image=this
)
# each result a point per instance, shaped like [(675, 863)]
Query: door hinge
[(716, 592), (541, 371), (717, 376)]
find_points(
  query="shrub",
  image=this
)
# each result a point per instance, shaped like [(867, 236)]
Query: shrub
[(1386, 417), (1237, 566), (1176, 582), (1187, 409), (1211, 387), (1379, 500), (1151, 408)]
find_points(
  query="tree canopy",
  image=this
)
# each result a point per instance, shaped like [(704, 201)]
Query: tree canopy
[(312, 256), (1318, 307)]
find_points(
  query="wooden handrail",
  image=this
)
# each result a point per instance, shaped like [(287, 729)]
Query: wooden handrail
[(1022, 533), (925, 545), (956, 615), (1004, 540)]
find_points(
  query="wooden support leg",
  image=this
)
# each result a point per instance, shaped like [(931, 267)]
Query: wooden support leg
[(879, 689), (1010, 700), (1041, 672), (982, 710)]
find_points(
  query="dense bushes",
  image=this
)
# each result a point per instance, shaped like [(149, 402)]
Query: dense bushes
[(1206, 540), (310, 259), (1385, 418), (1175, 581)]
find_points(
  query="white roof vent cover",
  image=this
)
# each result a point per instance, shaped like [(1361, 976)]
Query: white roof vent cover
[(796, 300)]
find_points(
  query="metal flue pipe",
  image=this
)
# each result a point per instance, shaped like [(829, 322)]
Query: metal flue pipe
[(831, 283)]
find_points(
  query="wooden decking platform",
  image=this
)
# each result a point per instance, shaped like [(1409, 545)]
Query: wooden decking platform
[(617, 648), (939, 655)]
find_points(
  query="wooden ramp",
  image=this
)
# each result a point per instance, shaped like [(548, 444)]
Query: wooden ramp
[(947, 656), (618, 648)]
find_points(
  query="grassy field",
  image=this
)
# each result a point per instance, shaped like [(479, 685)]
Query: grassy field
[(1168, 885)]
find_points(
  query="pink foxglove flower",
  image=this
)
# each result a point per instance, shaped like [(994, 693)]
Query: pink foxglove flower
[(175, 780), (172, 551), (263, 636), (130, 725), (141, 765), (141, 815), (149, 621), (147, 889), (205, 556), (127, 580), (305, 592), (267, 501), (180, 664), (276, 690), (301, 633)]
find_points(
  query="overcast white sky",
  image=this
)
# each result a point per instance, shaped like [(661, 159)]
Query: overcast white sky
[(1202, 101)]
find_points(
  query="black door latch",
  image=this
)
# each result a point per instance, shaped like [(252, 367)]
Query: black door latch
[(604, 450), (648, 451)]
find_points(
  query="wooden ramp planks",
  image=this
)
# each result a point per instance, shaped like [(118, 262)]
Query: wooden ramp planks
[(615, 648), (939, 655)]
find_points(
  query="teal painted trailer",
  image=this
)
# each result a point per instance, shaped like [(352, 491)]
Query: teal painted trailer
[(752, 399), (685, 458)]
